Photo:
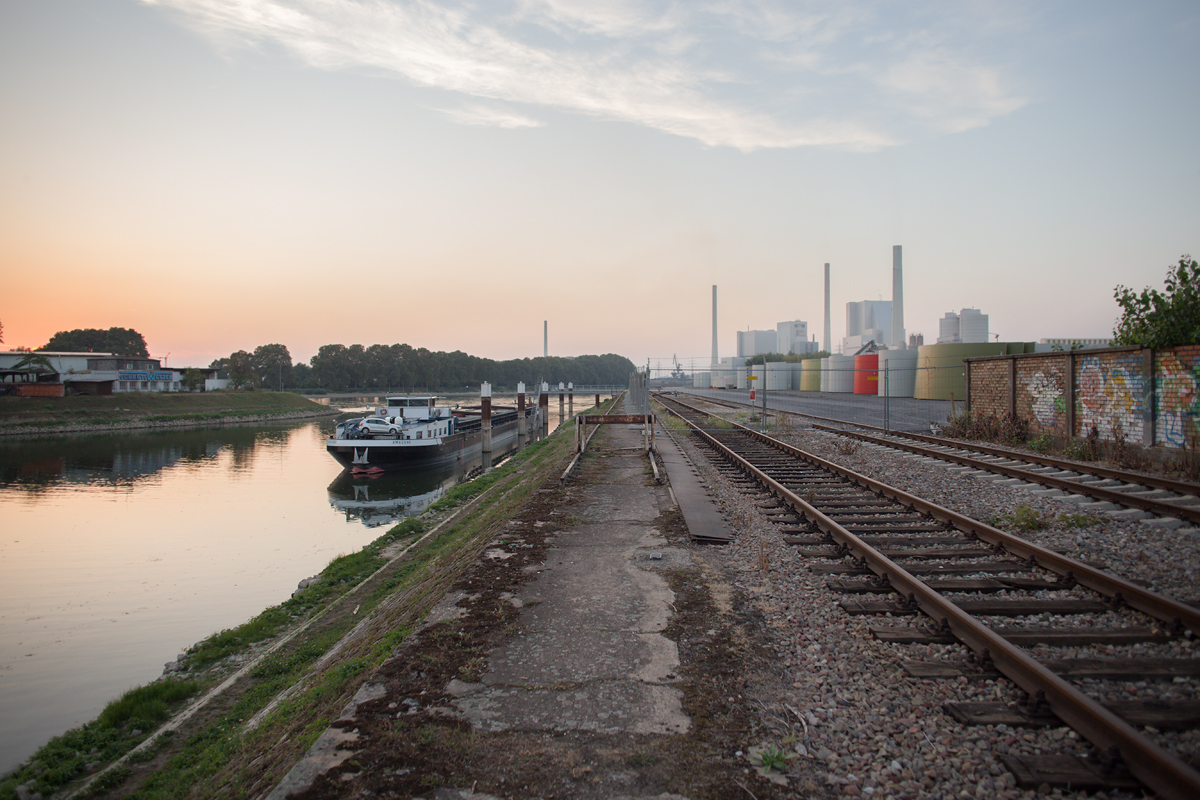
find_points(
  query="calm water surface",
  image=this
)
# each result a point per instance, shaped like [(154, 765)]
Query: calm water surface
[(117, 552)]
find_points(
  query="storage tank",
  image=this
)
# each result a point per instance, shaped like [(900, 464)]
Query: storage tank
[(825, 374), (741, 378), (779, 376), (866, 373), (897, 372), (701, 380), (841, 373), (940, 367), (810, 375)]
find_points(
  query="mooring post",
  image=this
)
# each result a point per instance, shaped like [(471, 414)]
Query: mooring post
[(544, 407), (561, 389), (485, 405), (522, 429), (571, 399), (597, 399)]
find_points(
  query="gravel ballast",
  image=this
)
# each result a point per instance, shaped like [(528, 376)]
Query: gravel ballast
[(852, 711)]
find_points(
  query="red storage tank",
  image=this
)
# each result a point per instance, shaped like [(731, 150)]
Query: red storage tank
[(866, 374)]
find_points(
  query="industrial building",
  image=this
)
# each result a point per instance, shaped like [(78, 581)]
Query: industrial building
[(753, 343), (869, 320), (967, 327), (792, 337)]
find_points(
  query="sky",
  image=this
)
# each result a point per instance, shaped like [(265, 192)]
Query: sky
[(221, 174)]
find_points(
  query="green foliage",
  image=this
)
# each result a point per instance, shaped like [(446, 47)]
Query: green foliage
[(771, 757), (112, 734), (1022, 518), (119, 341), (240, 366), (146, 705), (1158, 319), (1040, 443), (193, 379), (789, 358), (272, 365)]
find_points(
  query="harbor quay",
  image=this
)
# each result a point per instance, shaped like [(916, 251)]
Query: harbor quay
[(591, 650)]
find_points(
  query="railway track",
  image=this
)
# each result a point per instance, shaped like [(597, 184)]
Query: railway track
[(896, 554), (1153, 499)]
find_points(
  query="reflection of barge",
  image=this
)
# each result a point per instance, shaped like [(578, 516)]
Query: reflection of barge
[(388, 498), (425, 435)]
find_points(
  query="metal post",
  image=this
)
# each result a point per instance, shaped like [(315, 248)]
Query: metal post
[(522, 429), (571, 399), (485, 403), (887, 399)]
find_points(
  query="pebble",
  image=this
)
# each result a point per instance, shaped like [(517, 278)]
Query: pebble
[(869, 724)]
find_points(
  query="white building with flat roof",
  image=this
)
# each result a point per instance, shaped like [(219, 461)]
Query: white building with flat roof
[(753, 343)]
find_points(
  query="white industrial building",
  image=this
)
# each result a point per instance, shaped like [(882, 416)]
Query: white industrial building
[(792, 337), (969, 326), (869, 320), (753, 343)]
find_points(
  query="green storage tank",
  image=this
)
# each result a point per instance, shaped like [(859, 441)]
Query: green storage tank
[(941, 370)]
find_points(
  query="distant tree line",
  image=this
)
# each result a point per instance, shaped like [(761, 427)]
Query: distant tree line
[(789, 358), (403, 367)]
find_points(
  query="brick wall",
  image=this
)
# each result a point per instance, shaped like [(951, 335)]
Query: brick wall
[(1041, 392), (1115, 392), (1111, 394), (1177, 412), (989, 387)]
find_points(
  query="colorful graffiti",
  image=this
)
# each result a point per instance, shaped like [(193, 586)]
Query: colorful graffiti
[(1178, 402), (1047, 393), (1110, 400)]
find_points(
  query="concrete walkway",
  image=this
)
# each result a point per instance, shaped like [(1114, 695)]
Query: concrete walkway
[(587, 656)]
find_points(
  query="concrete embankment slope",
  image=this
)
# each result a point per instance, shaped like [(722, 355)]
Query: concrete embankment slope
[(589, 653), (23, 416)]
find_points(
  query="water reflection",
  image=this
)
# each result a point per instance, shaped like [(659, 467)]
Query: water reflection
[(389, 497)]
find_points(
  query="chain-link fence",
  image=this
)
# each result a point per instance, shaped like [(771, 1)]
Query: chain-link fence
[(883, 398)]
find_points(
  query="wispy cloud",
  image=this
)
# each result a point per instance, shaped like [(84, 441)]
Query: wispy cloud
[(476, 114), (741, 73)]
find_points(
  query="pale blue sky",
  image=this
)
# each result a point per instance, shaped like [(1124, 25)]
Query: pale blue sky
[(219, 174)]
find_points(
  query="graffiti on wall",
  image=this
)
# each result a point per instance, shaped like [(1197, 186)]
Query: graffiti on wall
[(1048, 401), (1179, 401), (1110, 400)]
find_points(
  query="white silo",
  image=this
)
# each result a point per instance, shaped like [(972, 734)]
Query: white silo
[(973, 326), (948, 329), (841, 374)]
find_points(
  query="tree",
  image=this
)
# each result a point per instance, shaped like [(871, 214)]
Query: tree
[(193, 379), (271, 364), (241, 370), (1156, 319), (119, 341)]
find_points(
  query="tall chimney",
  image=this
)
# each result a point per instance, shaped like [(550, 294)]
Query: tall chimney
[(828, 338), (545, 338), (897, 300), (715, 360)]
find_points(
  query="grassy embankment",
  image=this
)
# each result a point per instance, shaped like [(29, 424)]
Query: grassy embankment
[(18, 414), (361, 608)]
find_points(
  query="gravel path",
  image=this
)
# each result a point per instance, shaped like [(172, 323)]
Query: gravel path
[(846, 706)]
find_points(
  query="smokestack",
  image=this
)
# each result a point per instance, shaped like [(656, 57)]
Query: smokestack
[(897, 299), (715, 360), (545, 338), (828, 338)]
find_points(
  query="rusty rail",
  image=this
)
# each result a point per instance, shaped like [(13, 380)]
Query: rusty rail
[(1155, 767)]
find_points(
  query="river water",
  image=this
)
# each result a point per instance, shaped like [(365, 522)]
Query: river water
[(119, 551)]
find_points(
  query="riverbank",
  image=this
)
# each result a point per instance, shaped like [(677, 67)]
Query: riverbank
[(385, 587), (40, 416)]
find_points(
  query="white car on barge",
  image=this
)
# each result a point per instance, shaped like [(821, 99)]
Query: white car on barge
[(426, 434)]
